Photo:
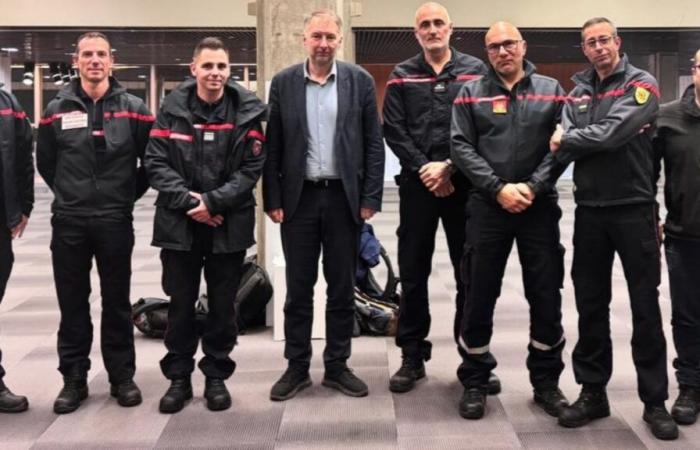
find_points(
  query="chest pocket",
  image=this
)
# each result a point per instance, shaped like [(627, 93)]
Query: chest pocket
[(217, 143)]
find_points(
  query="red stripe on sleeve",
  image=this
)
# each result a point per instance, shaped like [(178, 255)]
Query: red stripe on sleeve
[(254, 134)]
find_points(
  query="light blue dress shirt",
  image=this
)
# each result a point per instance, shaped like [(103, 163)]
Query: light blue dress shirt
[(321, 116)]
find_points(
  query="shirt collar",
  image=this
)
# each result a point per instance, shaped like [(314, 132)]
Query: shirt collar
[(331, 76)]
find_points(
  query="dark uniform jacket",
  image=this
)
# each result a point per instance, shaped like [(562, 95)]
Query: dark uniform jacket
[(501, 136), (17, 175), (358, 140), (222, 160), (85, 184), (677, 142), (418, 105), (602, 123)]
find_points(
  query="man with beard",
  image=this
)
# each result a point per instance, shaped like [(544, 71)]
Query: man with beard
[(417, 109), (501, 126)]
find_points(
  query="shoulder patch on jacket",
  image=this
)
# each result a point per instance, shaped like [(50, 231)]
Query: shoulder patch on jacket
[(641, 95)]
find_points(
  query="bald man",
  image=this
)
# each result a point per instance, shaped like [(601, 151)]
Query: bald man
[(417, 110), (501, 126)]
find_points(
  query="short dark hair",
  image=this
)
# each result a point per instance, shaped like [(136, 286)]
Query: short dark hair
[(91, 35), (211, 43), (595, 21)]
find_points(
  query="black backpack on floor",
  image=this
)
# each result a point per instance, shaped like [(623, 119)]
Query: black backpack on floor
[(150, 314)]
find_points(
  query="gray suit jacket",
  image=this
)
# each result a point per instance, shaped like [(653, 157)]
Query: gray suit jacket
[(358, 140)]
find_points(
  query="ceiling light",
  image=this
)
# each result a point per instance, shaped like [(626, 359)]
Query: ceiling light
[(55, 72), (28, 75)]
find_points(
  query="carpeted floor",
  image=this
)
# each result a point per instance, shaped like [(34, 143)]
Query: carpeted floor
[(425, 418)]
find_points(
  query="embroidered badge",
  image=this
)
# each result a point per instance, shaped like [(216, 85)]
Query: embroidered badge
[(500, 106), (641, 95)]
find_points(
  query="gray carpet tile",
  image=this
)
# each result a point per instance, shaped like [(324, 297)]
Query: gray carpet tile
[(585, 438)]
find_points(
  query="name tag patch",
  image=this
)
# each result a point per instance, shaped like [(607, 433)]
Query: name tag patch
[(208, 136), (74, 121)]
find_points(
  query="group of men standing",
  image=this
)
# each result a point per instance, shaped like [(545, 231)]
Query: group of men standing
[(481, 147)]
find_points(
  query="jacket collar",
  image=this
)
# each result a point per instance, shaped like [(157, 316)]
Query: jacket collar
[(449, 66), (528, 67), (589, 77), (70, 91), (248, 106), (688, 104)]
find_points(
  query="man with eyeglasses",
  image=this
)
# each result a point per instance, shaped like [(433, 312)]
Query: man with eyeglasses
[(417, 110), (677, 143), (501, 126), (605, 130)]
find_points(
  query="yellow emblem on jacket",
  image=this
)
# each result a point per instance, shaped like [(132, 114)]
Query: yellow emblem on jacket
[(641, 95)]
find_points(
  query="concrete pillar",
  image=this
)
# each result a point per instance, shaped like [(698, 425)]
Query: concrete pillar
[(280, 25), (38, 87), (153, 99), (6, 71)]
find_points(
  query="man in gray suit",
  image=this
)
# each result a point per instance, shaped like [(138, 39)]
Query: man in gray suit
[(323, 177)]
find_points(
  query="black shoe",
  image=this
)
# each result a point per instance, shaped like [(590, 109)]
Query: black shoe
[(126, 393), (661, 423), (11, 403), (74, 391), (178, 393), (591, 404), (551, 400), (216, 394), (347, 383), (472, 405), (494, 384), (685, 408), (293, 380), (405, 378)]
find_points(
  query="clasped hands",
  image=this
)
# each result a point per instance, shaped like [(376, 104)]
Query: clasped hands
[(201, 214), (436, 177), (515, 197)]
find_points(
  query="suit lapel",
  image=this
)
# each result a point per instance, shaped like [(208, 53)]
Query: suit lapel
[(299, 89), (344, 95)]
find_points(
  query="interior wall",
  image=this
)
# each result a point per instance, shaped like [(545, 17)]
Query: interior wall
[(382, 13)]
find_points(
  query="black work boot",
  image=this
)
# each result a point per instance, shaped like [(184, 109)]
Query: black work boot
[(74, 391), (685, 408), (405, 378), (126, 393), (472, 405), (293, 380), (591, 404), (216, 394), (494, 384), (550, 399), (11, 403), (346, 382), (661, 423), (178, 393)]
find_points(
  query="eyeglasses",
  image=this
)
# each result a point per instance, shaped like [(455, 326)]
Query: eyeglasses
[(509, 46), (602, 41)]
